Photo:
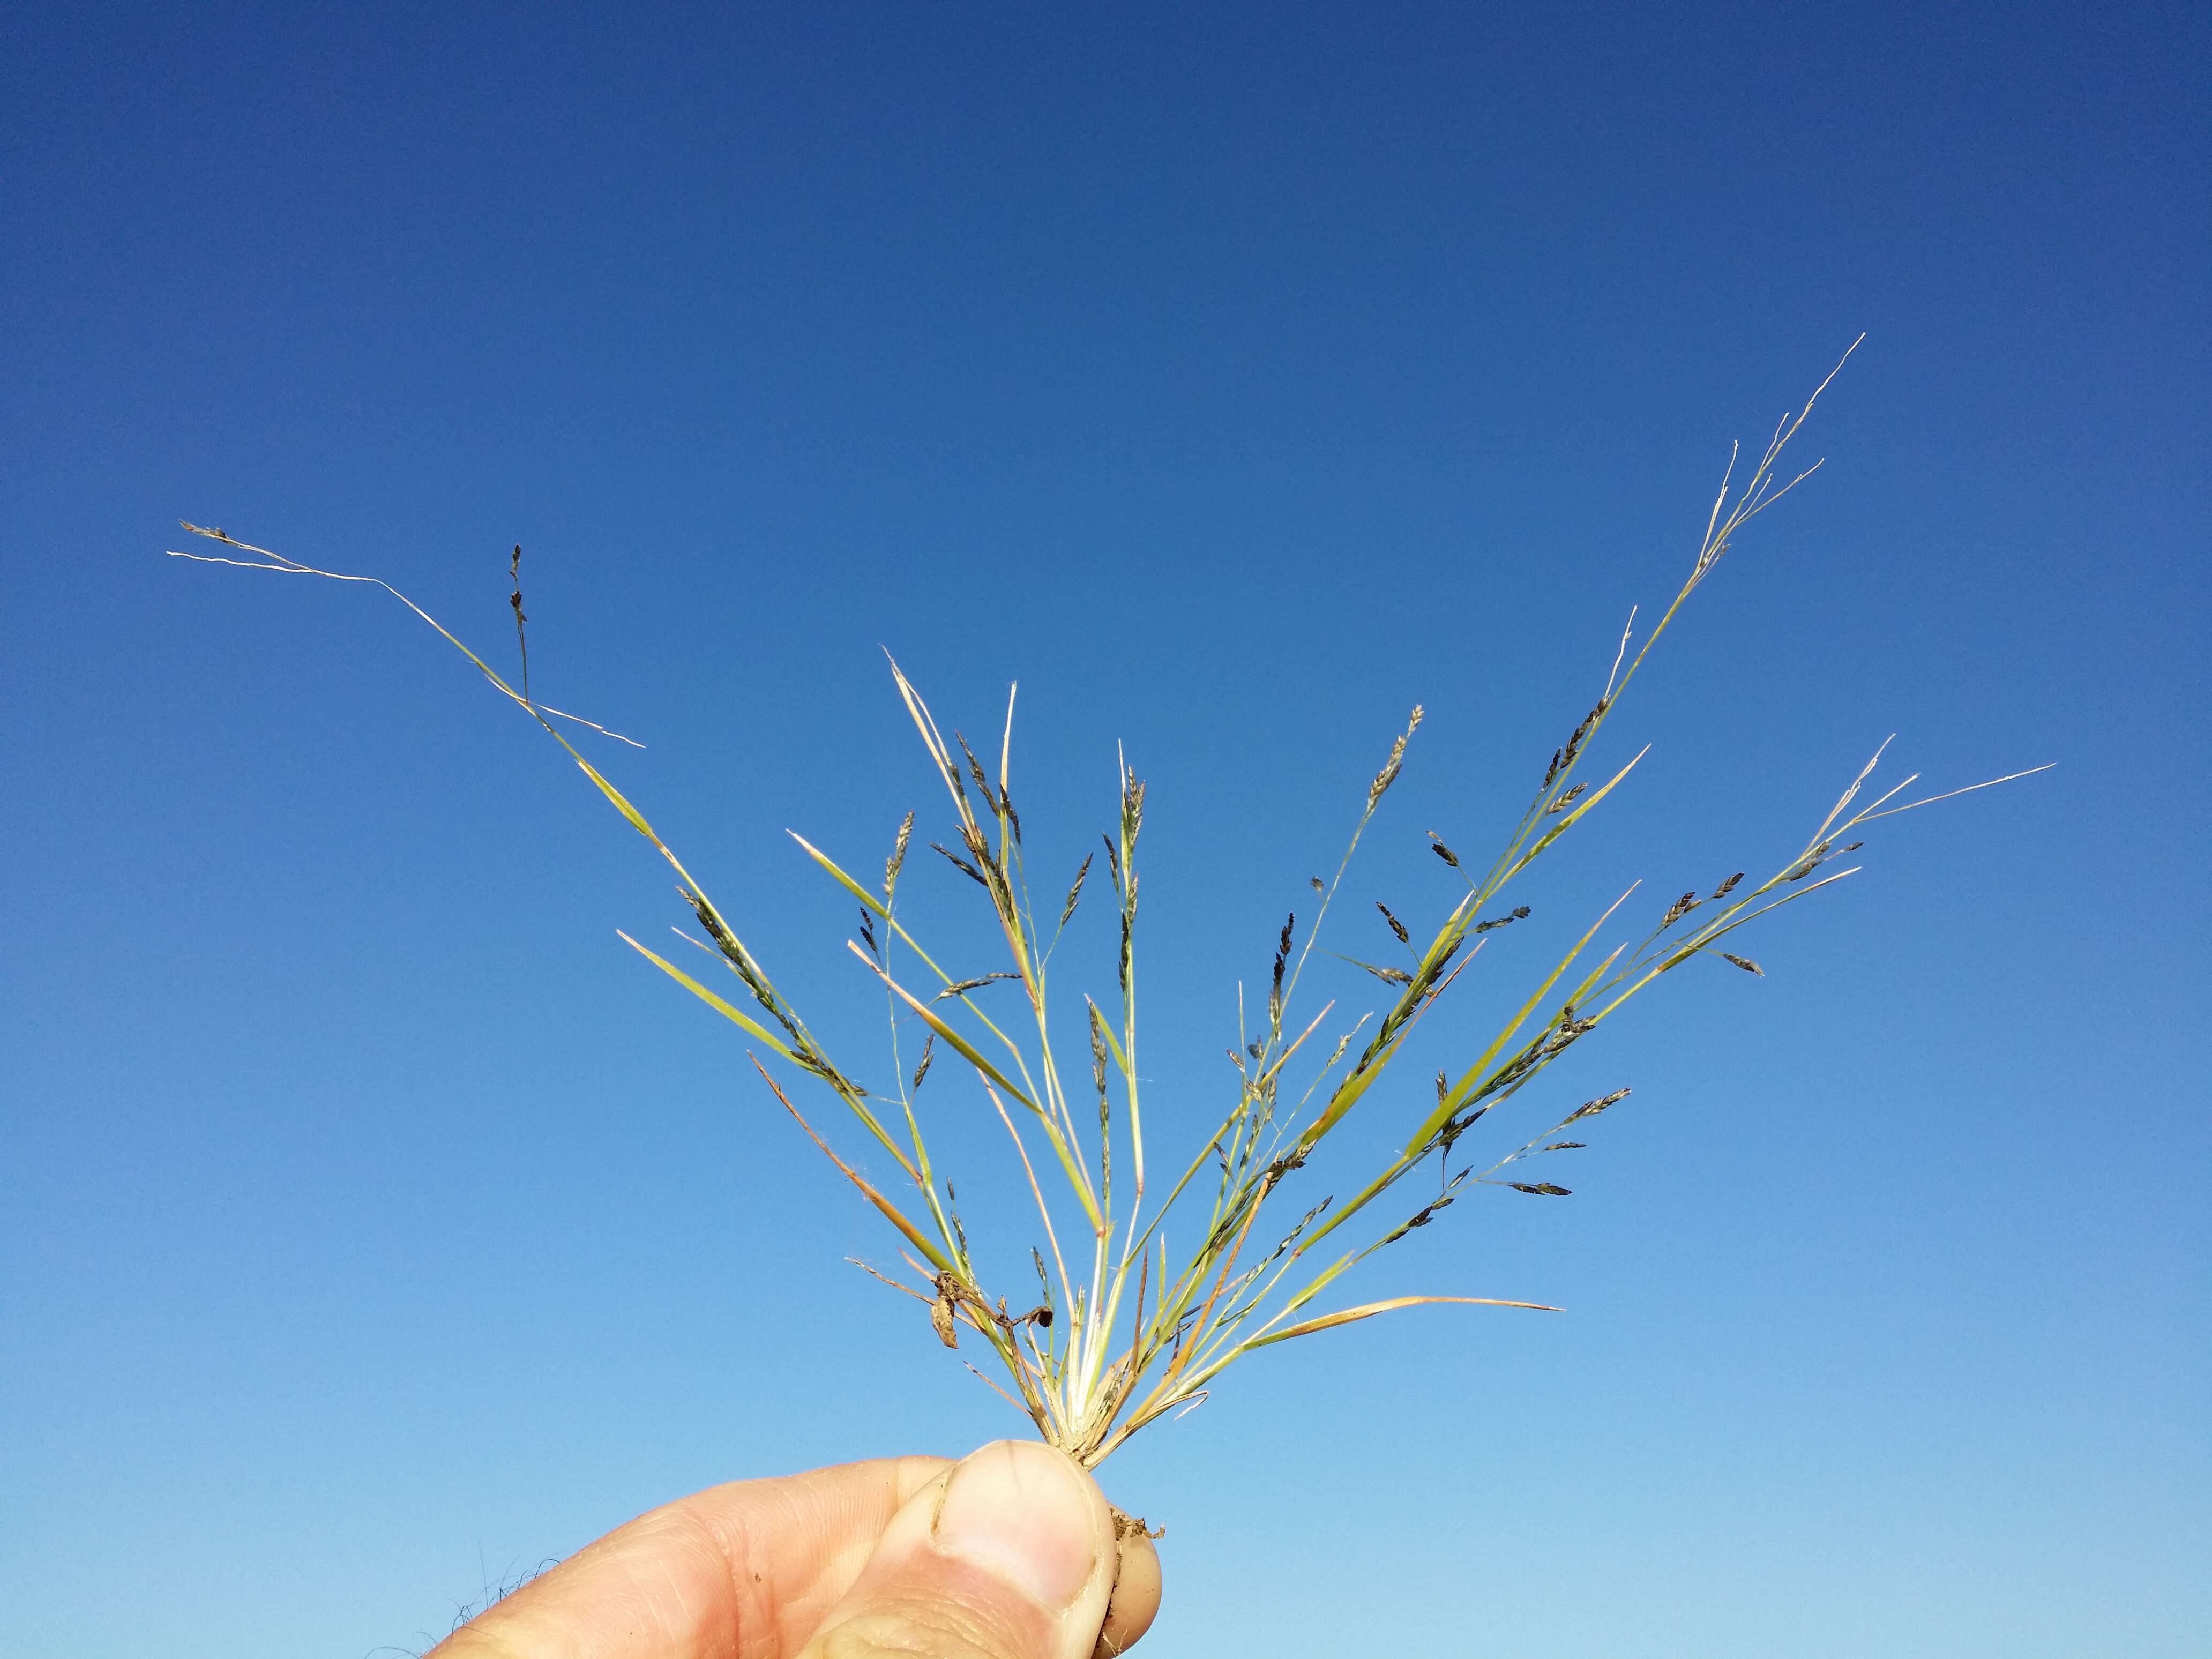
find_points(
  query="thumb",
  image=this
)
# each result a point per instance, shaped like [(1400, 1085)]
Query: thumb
[(1009, 1554)]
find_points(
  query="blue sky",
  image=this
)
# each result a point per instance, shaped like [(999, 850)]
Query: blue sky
[(373, 1225)]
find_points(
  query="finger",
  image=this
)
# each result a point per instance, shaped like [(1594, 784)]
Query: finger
[(751, 1567), (1009, 1554), (1136, 1598)]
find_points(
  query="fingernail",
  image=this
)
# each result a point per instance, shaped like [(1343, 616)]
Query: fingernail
[(1023, 1511)]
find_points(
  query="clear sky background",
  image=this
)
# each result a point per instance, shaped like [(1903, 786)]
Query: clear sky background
[(374, 1225)]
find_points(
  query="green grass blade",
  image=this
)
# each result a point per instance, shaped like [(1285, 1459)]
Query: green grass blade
[(744, 1022), (1330, 1321)]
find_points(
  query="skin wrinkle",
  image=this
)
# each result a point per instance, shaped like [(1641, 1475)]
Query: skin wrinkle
[(775, 1617), (954, 1612), (666, 1605)]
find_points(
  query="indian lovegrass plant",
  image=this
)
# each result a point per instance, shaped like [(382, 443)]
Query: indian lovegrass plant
[(1121, 1328)]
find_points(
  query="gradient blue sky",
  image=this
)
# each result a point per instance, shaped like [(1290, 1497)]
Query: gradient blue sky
[(374, 1224)]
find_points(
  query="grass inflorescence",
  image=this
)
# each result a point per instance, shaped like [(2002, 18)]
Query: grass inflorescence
[(1123, 1330)]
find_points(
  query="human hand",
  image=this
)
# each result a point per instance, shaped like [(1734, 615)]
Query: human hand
[(1010, 1554)]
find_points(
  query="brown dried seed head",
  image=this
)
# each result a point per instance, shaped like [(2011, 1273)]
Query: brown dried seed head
[(1396, 927), (1744, 962), (940, 1313), (1545, 1188)]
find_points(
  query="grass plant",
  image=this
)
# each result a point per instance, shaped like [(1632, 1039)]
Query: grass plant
[(1121, 1329)]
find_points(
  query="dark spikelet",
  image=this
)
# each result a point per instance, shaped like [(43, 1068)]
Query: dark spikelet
[(1592, 1108), (868, 931), (1552, 772), (963, 866), (898, 859), (1567, 799), (1680, 908), (1007, 805), (928, 1054), (1396, 926), (1744, 962), (1315, 882), (1420, 1219), (1075, 889), (1812, 861), (975, 771), (1854, 846), (1304, 1222), (1563, 1146), (1105, 1108), (1098, 1058), (1519, 913), (1455, 1127), (1443, 851), (1574, 743), (1726, 887), (1545, 1189), (965, 986), (522, 643), (1388, 976)]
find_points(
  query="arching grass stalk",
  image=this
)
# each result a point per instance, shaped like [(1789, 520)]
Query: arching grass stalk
[(1124, 1330)]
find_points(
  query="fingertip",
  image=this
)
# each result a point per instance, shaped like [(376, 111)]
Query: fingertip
[(1135, 1600)]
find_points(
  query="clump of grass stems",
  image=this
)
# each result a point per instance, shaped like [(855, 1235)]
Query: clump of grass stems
[(1124, 1331)]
